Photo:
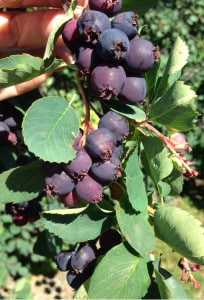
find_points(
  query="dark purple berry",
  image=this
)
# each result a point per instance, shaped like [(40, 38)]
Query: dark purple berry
[(134, 90), (24, 212), (107, 80), (141, 57), (89, 190), (82, 258), (20, 220), (109, 7), (10, 122), (113, 46), (126, 22), (34, 208), (90, 25), (80, 166), (78, 139), (76, 280), (71, 35), (58, 182), (110, 239), (107, 171), (100, 143), (87, 59), (116, 123), (118, 151), (63, 260), (4, 132), (14, 209), (70, 199)]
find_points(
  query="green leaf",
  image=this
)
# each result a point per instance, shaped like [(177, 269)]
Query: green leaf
[(164, 188), (175, 181), (19, 68), (22, 183), (155, 158), (120, 274), (47, 244), (50, 126), (78, 225), (175, 108), (177, 60), (181, 231), (135, 184), (140, 7), (126, 110), (57, 31), (151, 78), (81, 293), (136, 228), (169, 286)]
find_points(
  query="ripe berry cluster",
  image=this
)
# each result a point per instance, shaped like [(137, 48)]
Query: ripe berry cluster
[(24, 212), (110, 52), (97, 164), (79, 264)]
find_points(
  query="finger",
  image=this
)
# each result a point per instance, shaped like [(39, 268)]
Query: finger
[(60, 50), (27, 30), (22, 88), (30, 3)]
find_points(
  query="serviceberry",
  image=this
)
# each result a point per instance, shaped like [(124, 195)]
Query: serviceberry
[(107, 81)]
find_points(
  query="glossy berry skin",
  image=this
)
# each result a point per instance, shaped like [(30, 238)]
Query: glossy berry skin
[(109, 7), (70, 35), (107, 171), (113, 46), (87, 59), (75, 280), (100, 143), (116, 123), (134, 90), (107, 81), (118, 152), (89, 190), (63, 260), (82, 259), (126, 22), (141, 57), (59, 183), (70, 199), (90, 25), (80, 165)]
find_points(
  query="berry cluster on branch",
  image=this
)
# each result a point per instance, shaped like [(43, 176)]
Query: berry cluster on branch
[(96, 165)]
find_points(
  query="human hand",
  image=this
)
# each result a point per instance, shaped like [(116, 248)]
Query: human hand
[(27, 32)]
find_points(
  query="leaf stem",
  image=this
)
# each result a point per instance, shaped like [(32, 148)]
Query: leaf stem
[(87, 123)]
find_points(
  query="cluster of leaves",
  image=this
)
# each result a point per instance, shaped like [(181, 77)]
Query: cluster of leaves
[(186, 22), (50, 126)]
